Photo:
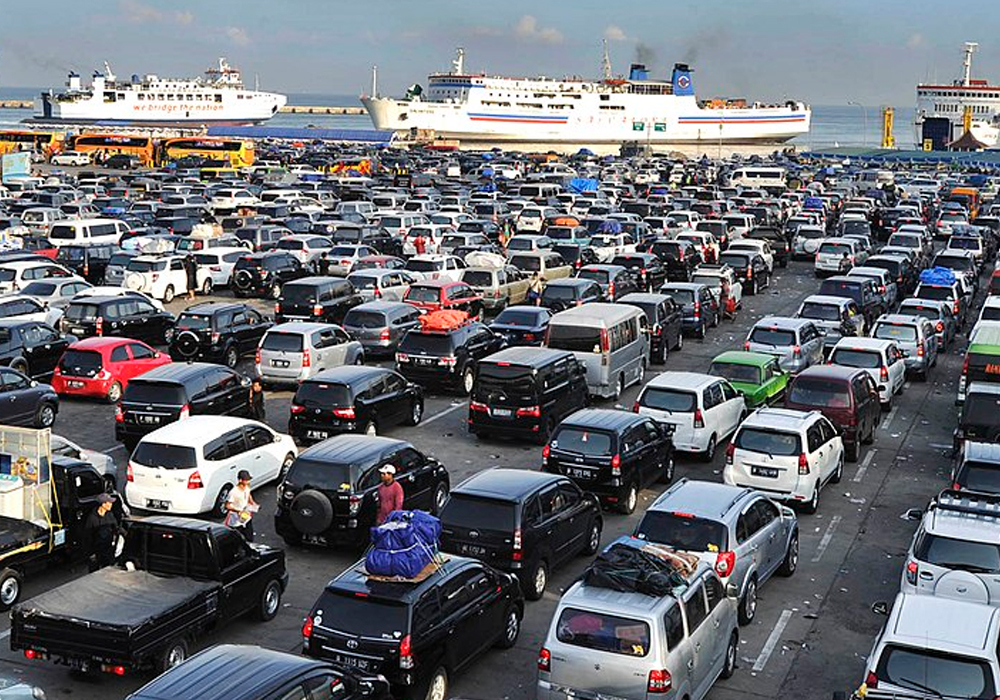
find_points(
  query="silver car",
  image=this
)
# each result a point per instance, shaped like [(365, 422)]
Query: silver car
[(916, 336), (796, 341), (380, 325), (745, 536), (291, 352), (114, 273), (377, 284)]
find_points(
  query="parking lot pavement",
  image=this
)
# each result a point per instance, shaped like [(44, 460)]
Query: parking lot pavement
[(812, 631)]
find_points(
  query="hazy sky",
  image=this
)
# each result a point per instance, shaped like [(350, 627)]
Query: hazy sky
[(822, 51)]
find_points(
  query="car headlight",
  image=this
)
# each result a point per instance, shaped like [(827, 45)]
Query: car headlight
[(38, 693)]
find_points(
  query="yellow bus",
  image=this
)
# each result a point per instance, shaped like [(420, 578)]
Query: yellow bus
[(112, 144), (44, 142), (239, 154)]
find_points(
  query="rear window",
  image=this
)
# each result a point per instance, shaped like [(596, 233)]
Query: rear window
[(298, 294), (770, 442), (81, 361), (154, 393), (734, 259), (156, 454), (864, 359), (681, 296), (683, 531), (283, 342), (943, 674), (426, 343), (836, 288), (478, 278), (835, 249), (559, 292), (980, 476), (774, 337), (322, 394), (495, 381), (194, 322), (820, 312), (423, 265), (306, 472), (426, 295), (599, 276), (364, 319), (603, 632), (734, 372), (582, 441), (367, 617), (975, 557), (822, 393), (82, 312), (981, 408), (934, 293), (478, 513), (892, 331), (990, 313), (531, 263), (41, 289), (515, 317), (574, 338), (672, 400)]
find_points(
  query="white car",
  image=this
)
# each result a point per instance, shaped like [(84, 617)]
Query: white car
[(70, 158), (882, 359), (756, 245), (789, 455), (830, 256), (532, 218), (24, 308), (163, 276), (378, 284), (608, 245), (220, 263), (704, 242), (432, 235), (306, 247), (343, 257), (704, 410), (739, 225), (712, 275), (16, 275), (55, 292), (232, 198), (437, 267), (190, 466)]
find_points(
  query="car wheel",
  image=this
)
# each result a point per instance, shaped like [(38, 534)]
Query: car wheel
[(536, 581), (791, 561), (359, 360), (511, 629), (370, 429), (206, 288), (168, 294), (661, 357), (173, 655), (748, 603), (667, 467), (813, 505), (619, 387), (286, 464), (468, 379), (630, 500), (440, 498), (870, 435), (220, 501), (232, 357), (709, 454), (45, 416), (593, 538), (416, 412), (839, 473), (702, 331), (680, 341), (752, 288), (730, 666), (114, 393), (270, 601), (437, 687), (10, 588)]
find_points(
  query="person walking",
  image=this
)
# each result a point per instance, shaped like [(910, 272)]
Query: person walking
[(100, 534), (191, 270), (323, 265), (241, 506), (257, 411), (420, 244), (534, 289), (390, 494)]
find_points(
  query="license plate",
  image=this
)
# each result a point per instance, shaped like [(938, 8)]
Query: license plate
[(314, 539), (579, 473), (157, 504), (472, 550), (501, 412), (352, 662), (317, 434), (279, 363), (425, 361), (148, 420), (77, 329), (72, 384), (766, 472)]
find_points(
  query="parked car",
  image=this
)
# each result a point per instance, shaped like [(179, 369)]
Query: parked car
[(834, 317), (23, 308), (128, 315), (882, 359), (939, 313), (87, 261), (102, 367), (559, 295), (437, 295), (381, 284), (665, 320), (615, 281), (522, 325), (796, 342), (319, 299), (699, 306), (758, 377), (217, 331), (163, 276), (977, 468), (916, 338), (446, 357), (289, 353), (32, 348), (380, 325), (26, 402), (265, 274)]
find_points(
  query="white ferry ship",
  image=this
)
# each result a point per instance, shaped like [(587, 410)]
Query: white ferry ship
[(218, 97), (479, 107), (941, 109)]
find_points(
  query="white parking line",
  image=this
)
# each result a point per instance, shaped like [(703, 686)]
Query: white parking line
[(865, 463), (442, 414), (827, 538), (772, 641), (113, 449), (4, 634), (888, 418)]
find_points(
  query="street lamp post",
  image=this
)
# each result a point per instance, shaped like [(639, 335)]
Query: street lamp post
[(864, 112)]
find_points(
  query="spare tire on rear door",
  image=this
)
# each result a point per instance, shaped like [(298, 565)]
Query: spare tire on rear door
[(312, 512), (242, 279), (187, 343)]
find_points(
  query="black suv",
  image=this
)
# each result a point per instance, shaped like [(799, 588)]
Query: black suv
[(217, 331), (561, 294), (176, 391), (521, 521), (126, 316), (750, 269), (446, 357), (779, 244), (416, 635), (680, 258), (611, 453), (576, 255), (87, 261), (615, 281), (319, 299), (265, 273), (330, 494), (525, 392), (645, 267), (353, 399), (31, 347), (665, 318)]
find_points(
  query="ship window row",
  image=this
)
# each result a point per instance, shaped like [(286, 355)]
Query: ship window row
[(960, 109), (986, 95), (170, 97), (619, 107)]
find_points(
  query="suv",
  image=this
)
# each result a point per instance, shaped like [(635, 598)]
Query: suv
[(446, 356), (744, 535), (680, 258), (415, 634), (522, 522), (87, 261), (834, 317), (615, 281), (796, 341), (882, 359), (217, 331), (321, 299), (291, 352), (916, 338), (32, 348), (353, 399), (847, 396), (124, 316), (330, 494), (380, 325), (611, 453), (645, 267), (862, 290), (665, 319), (174, 392), (525, 392), (163, 276), (561, 294), (699, 307), (265, 273)]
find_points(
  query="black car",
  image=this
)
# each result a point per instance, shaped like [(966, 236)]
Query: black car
[(613, 454), (32, 348), (127, 316), (647, 269), (446, 357), (901, 270), (265, 274), (576, 255), (260, 238), (561, 294), (665, 319), (779, 243), (123, 161), (174, 392), (416, 635), (750, 269), (330, 494), (26, 402), (524, 522), (87, 261), (344, 232), (680, 258), (862, 290), (319, 299), (353, 399), (522, 325), (217, 331), (615, 281)]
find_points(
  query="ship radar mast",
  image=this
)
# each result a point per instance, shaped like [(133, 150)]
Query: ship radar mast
[(108, 74), (970, 48), (458, 65), (606, 62)]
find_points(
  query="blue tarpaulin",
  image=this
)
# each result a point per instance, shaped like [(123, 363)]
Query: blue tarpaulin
[(302, 134), (611, 226), (813, 203), (583, 184), (938, 276)]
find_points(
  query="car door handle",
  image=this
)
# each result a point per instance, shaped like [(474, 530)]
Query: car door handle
[(697, 646), (716, 624), (691, 665)]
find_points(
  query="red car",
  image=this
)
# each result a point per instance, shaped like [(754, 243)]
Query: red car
[(435, 295), (102, 367)]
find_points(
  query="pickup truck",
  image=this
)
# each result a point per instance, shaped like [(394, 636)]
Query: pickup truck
[(177, 579)]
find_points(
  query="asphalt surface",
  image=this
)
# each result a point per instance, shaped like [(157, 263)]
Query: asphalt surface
[(812, 631)]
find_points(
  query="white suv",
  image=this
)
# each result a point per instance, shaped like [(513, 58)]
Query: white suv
[(190, 466), (163, 276), (882, 359), (789, 455)]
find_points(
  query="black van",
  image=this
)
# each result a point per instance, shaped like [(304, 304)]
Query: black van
[(525, 392), (523, 522), (127, 316), (665, 318), (319, 299), (174, 392), (87, 261)]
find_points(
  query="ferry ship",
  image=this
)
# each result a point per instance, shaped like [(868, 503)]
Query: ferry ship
[(944, 111), (219, 97), (483, 108)]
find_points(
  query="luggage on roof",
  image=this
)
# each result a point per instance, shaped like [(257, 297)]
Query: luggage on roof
[(938, 276), (635, 566), (443, 320)]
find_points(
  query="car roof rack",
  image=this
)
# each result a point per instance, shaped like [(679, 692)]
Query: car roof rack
[(970, 503)]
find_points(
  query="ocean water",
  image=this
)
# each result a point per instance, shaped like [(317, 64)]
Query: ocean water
[(832, 125)]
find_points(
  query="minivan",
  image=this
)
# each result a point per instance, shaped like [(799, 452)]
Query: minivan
[(87, 231)]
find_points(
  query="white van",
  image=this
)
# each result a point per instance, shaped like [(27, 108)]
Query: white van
[(758, 178), (87, 231)]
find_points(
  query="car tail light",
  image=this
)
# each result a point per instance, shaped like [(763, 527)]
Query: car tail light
[(797, 350), (194, 481), (730, 452), (402, 357), (277, 307), (697, 310), (803, 464), (31, 654), (659, 681), (884, 374), (725, 563), (605, 340), (616, 465), (749, 271), (448, 360), (256, 357), (478, 407), (746, 346), (517, 546), (117, 670), (635, 407), (129, 473), (544, 659), (954, 306), (317, 310), (920, 349), (871, 680), (911, 572), (215, 337), (699, 418), (529, 412), (377, 293), (531, 336), (965, 365), (185, 412), (119, 414), (354, 505), (99, 329), (546, 451), (384, 335), (296, 409), (307, 627), (306, 358), (611, 290), (344, 413)]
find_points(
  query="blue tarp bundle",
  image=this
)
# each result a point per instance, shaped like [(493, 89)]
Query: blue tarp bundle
[(404, 544), (938, 276), (611, 226), (813, 203), (583, 184)]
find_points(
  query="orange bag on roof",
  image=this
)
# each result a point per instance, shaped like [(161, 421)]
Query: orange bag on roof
[(566, 221), (443, 320)]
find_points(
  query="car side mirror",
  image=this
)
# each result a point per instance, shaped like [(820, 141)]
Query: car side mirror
[(879, 607), (914, 514), (245, 381), (33, 383)]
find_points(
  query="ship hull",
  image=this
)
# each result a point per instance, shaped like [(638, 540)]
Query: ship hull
[(130, 111)]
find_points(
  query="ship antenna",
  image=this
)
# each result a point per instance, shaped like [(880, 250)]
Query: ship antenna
[(458, 65), (606, 62), (374, 81), (970, 48)]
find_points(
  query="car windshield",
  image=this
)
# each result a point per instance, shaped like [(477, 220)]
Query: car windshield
[(575, 338), (71, 254), (864, 359), (478, 513), (734, 260), (599, 276), (893, 331), (944, 675), (318, 394), (156, 454), (837, 249), (194, 322), (964, 243), (822, 393), (683, 531), (770, 442), (560, 292), (144, 265), (735, 372), (670, 400), (119, 259), (775, 337), (707, 280), (603, 632), (437, 344), (529, 263), (981, 408), (820, 312), (582, 441), (954, 553), (516, 243), (282, 342), (980, 476)]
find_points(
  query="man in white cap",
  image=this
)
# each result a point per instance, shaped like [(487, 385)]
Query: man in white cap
[(390, 494)]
